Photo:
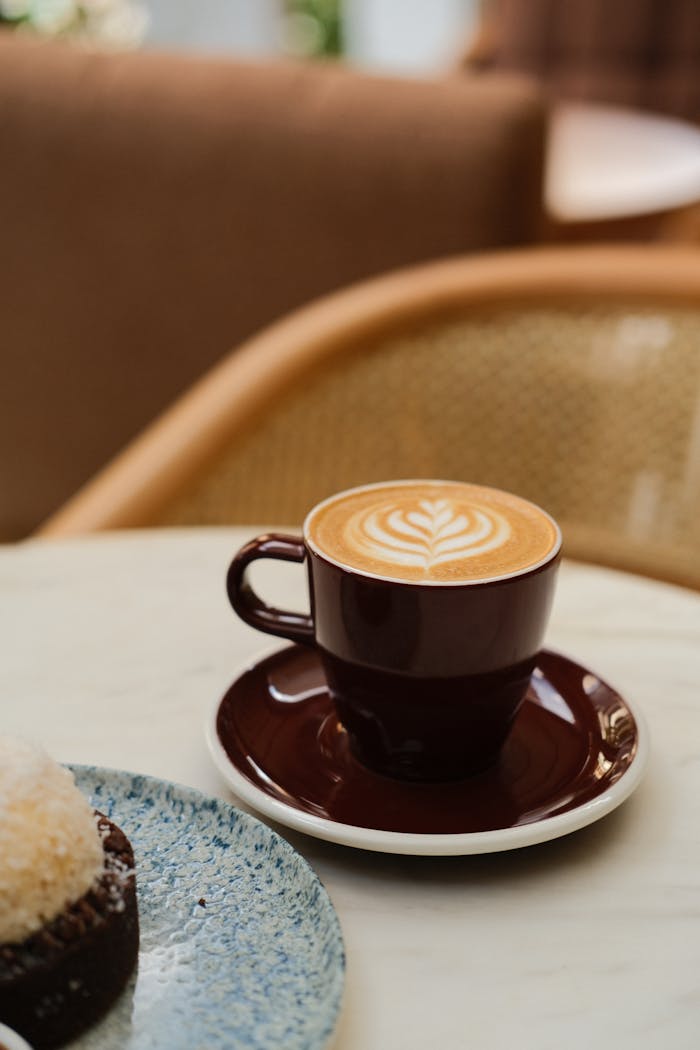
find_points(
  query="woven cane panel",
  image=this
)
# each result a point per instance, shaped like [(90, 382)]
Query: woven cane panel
[(592, 412)]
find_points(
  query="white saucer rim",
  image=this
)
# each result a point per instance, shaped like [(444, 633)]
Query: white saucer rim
[(12, 1040), (425, 844)]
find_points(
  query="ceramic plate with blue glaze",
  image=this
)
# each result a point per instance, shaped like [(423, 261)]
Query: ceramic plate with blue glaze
[(240, 944)]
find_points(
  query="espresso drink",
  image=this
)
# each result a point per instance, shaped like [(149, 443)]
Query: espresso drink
[(429, 601), (432, 532)]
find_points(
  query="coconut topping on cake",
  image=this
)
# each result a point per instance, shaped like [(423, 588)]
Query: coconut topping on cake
[(50, 849)]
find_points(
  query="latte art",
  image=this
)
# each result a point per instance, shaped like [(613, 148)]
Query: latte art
[(432, 531)]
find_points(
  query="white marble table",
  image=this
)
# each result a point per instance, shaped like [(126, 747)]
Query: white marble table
[(113, 650)]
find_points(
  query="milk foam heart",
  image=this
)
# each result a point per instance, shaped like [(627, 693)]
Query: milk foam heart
[(432, 531)]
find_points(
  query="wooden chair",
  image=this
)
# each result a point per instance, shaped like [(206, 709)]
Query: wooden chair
[(570, 376)]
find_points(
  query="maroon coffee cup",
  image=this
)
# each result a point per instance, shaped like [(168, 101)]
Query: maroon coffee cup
[(427, 678)]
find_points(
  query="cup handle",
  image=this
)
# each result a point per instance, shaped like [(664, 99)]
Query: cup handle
[(297, 627)]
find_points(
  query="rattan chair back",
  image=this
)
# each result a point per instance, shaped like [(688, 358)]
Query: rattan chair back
[(569, 376)]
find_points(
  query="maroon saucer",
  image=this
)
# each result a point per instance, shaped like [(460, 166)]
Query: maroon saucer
[(573, 739)]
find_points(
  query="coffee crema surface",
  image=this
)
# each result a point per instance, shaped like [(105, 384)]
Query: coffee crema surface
[(432, 531)]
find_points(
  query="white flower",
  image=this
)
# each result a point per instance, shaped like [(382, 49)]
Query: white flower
[(53, 16), (15, 8), (110, 23)]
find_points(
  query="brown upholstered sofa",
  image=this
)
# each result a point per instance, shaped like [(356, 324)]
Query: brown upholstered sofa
[(155, 210)]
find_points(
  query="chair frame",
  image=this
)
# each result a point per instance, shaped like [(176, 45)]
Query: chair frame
[(131, 490)]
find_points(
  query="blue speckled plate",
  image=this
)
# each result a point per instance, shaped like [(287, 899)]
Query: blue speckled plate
[(260, 965)]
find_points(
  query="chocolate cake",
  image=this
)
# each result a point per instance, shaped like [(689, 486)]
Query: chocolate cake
[(61, 967), (63, 978)]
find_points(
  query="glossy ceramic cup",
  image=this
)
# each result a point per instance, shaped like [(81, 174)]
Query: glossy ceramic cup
[(427, 678)]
